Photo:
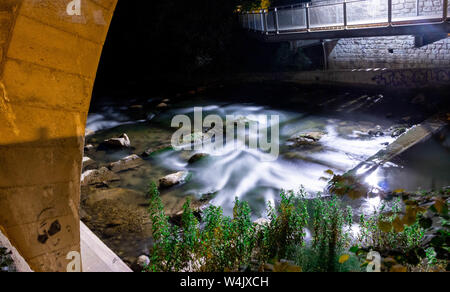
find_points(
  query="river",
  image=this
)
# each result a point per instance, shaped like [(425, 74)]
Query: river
[(352, 126)]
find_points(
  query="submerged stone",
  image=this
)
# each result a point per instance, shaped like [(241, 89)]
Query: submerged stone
[(154, 151)]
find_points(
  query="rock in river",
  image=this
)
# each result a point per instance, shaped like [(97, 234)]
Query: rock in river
[(117, 143), (153, 151), (397, 131), (98, 176), (89, 132), (88, 164), (143, 261), (127, 163), (311, 138), (173, 179), (162, 106), (197, 157), (88, 147)]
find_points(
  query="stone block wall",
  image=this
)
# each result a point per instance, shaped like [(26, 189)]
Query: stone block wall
[(396, 52), (388, 52)]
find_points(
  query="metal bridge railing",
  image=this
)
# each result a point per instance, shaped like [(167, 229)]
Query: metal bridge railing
[(344, 14)]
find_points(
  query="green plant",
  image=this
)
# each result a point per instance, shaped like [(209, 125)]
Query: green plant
[(190, 234), (431, 256), (164, 253), (386, 230), (286, 229), (227, 242), (329, 233), (152, 190), (235, 243)]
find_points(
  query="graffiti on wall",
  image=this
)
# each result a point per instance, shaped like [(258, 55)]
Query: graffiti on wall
[(412, 77)]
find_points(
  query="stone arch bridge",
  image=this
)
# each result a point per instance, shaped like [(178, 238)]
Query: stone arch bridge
[(49, 53)]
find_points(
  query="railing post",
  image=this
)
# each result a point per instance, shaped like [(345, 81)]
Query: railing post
[(345, 13), (417, 7), (390, 12), (292, 15), (254, 22), (275, 15), (266, 27), (325, 55), (261, 14), (247, 21), (308, 24), (445, 14)]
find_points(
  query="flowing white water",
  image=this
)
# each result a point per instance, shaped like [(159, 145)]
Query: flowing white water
[(243, 173)]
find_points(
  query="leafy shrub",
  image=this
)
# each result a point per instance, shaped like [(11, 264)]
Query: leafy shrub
[(235, 243), (286, 228), (330, 235), (385, 230)]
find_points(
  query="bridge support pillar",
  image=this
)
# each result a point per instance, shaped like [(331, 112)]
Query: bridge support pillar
[(48, 64)]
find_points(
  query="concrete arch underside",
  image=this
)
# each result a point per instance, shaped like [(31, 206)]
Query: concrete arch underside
[(48, 64)]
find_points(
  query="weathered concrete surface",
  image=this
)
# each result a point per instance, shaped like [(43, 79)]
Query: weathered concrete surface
[(97, 256), (48, 64)]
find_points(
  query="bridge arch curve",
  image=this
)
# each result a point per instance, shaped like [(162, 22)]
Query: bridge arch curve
[(48, 65)]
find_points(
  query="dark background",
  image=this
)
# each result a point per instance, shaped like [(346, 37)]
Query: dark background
[(158, 47)]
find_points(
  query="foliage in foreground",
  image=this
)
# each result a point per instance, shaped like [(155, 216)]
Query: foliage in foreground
[(222, 243)]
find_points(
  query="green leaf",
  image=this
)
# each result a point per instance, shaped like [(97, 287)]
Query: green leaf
[(354, 249)]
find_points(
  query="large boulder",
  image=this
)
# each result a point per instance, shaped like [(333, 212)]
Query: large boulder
[(100, 176), (127, 163), (173, 179), (122, 142)]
